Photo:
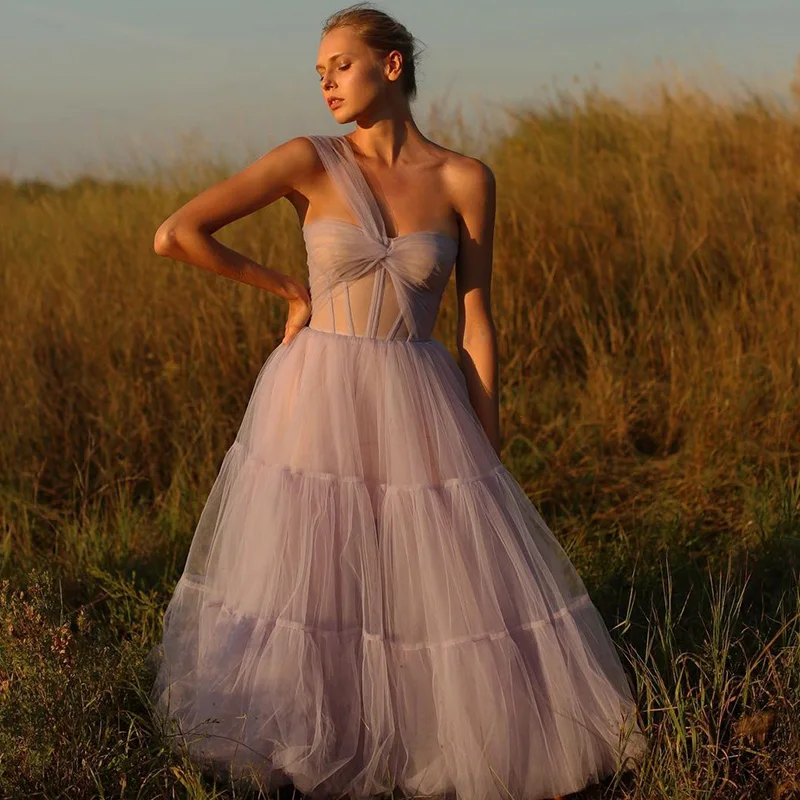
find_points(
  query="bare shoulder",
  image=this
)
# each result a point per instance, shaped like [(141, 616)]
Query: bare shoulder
[(292, 164), (470, 181), (471, 190), (299, 158)]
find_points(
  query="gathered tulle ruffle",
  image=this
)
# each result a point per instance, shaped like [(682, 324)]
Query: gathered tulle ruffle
[(371, 601)]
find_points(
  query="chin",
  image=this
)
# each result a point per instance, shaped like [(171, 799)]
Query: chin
[(342, 116)]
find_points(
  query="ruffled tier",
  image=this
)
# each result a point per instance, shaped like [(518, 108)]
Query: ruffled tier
[(375, 626)]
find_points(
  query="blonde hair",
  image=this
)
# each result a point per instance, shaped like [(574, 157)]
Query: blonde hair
[(382, 33)]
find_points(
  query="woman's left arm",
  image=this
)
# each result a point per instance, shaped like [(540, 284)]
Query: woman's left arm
[(474, 194)]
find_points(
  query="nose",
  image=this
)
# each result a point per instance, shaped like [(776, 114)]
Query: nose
[(327, 82)]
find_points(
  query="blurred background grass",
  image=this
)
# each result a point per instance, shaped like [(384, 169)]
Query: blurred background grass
[(646, 297)]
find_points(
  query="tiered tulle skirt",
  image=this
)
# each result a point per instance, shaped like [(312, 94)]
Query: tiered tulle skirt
[(371, 602)]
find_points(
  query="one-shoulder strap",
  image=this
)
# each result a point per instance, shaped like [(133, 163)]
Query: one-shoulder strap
[(339, 162)]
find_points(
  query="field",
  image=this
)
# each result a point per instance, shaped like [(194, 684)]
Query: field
[(647, 299)]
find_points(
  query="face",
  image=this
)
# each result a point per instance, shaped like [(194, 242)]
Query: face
[(354, 79)]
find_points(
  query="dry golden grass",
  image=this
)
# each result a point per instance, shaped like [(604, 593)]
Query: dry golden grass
[(645, 294), (646, 297)]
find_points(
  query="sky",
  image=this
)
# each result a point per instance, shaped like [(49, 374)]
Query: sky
[(89, 84)]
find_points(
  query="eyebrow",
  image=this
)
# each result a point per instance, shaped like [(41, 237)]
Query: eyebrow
[(334, 56)]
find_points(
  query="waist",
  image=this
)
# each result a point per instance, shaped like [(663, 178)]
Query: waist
[(322, 332)]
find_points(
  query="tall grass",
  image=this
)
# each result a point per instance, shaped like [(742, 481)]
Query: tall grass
[(646, 297)]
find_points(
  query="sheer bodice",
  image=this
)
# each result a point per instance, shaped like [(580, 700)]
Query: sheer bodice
[(363, 282)]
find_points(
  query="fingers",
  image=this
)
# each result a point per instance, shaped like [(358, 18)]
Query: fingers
[(290, 331)]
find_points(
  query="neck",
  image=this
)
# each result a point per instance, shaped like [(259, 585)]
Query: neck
[(384, 139)]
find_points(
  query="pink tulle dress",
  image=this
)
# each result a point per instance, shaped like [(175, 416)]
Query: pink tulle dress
[(370, 601)]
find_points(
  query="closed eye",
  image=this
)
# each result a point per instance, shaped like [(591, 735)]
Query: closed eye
[(343, 66)]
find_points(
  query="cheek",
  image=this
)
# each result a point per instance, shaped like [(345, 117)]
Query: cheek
[(367, 81)]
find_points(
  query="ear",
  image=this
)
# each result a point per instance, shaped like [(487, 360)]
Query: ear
[(393, 65)]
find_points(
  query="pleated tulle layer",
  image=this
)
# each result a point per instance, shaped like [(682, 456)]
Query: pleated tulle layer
[(371, 602)]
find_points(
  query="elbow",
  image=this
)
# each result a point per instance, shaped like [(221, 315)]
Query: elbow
[(477, 334), (164, 240)]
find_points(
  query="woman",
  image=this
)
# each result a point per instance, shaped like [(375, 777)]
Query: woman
[(370, 600)]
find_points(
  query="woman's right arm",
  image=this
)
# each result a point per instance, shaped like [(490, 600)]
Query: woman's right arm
[(187, 235)]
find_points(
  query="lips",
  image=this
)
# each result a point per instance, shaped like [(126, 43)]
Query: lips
[(334, 102)]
